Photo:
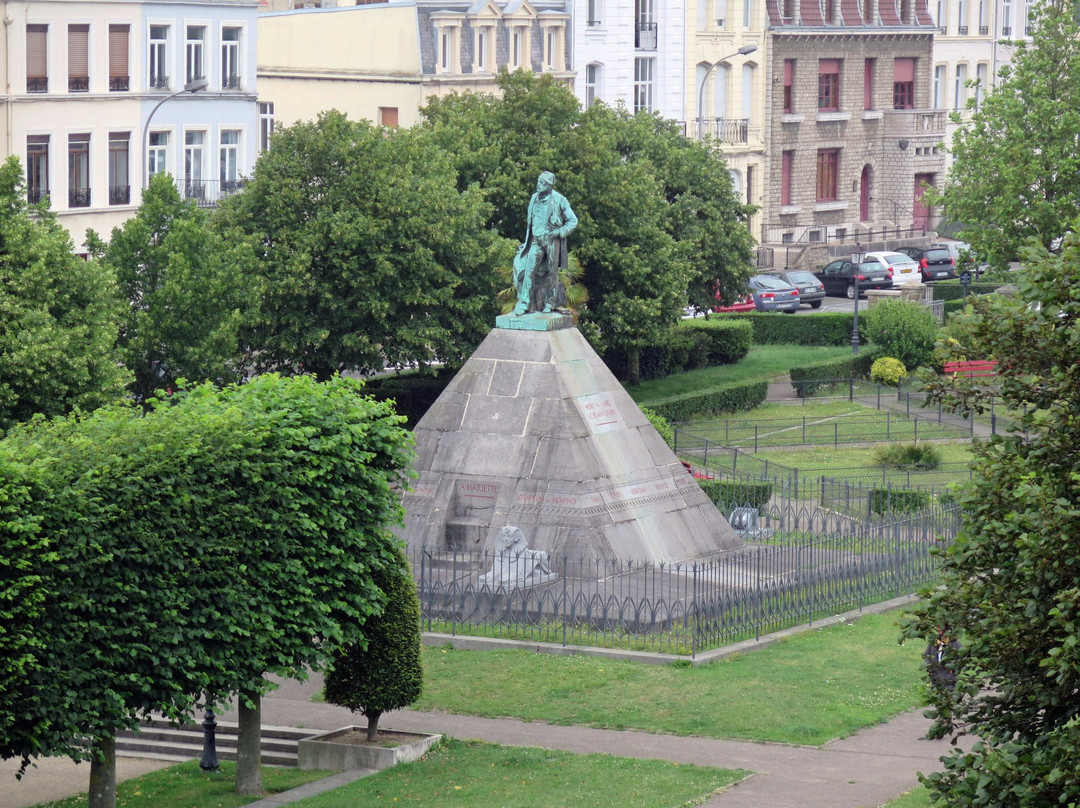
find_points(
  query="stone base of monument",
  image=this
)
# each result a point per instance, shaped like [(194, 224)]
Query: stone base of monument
[(535, 321), (348, 748)]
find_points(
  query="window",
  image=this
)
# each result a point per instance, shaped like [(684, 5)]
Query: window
[(828, 85), (119, 78), (157, 155), (266, 124), (905, 12), (721, 82), (37, 168), (37, 61), (554, 35), (828, 10), (788, 10), (485, 41), (592, 13), (519, 45), (828, 163), (747, 91), (942, 13), (194, 185), (194, 58), (984, 27), (388, 116), (643, 84), (78, 58), (789, 83), (868, 12), (747, 13), (962, 16), (868, 84), (981, 76), (939, 87), (119, 184), (1006, 17), (903, 83), (592, 84), (703, 14), (960, 94), (79, 171), (159, 57), (230, 58), (787, 163), (227, 162)]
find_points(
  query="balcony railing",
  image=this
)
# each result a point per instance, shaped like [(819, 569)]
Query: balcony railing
[(35, 195), (207, 193), (645, 36), (1006, 30), (159, 82), (230, 83), (943, 30), (984, 30), (1028, 30), (78, 84), (39, 84), (119, 194), (119, 84), (78, 197), (963, 29), (592, 23), (915, 121), (728, 130)]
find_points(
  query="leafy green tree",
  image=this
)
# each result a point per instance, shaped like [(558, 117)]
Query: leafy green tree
[(1016, 167), (1008, 600), (188, 289), (58, 314), (370, 254), (658, 221), (902, 329), (384, 672), (219, 537)]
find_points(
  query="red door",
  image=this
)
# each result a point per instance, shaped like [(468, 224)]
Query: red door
[(864, 195), (920, 211)]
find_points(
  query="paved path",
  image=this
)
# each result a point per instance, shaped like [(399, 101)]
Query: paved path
[(862, 771)]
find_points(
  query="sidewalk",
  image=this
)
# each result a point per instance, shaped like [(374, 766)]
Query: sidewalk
[(863, 771)]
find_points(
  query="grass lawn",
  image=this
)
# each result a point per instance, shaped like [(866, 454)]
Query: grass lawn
[(812, 687), (189, 786), (762, 362), (919, 798), (481, 775), (810, 459)]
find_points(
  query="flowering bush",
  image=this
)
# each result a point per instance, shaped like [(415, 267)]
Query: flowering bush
[(888, 371)]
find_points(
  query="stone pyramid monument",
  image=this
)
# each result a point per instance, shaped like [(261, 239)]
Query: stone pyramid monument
[(534, 431)]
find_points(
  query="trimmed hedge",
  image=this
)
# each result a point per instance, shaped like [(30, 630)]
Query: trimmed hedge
[(695, 343), (953, 290), (730, 398), (891, 500), (824, 328), (748, 495), (806, 380), (725, 341)]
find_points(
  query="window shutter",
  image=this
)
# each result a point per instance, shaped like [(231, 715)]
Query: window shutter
[(903, 70), (78, 51), (36, 54), (118, 51)]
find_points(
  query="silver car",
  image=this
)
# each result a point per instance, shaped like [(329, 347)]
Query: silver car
[(772, 294)]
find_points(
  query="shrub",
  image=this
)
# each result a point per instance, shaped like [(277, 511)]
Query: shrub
[(908, 456), (749, 495), (889, 500), (724, 341), (386, 674), (825, 328), (730, 398), (888, 371), (902, 329), (661, 425)]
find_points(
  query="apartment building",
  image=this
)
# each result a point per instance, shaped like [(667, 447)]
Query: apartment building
[(96, 102), (383, 60)]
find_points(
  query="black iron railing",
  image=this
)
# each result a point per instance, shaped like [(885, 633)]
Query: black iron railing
[(119, 84), (78, 197), (119, 194), (39, 84)]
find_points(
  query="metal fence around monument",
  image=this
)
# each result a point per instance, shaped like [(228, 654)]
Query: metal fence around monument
[(821, 564)]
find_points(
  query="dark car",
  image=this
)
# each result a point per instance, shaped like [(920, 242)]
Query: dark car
[(839, 279), (935, 263), (772, 294), (811, 290)]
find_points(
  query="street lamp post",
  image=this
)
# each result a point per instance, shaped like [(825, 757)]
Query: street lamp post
[(856, 262), (743, 51), (191, 87)]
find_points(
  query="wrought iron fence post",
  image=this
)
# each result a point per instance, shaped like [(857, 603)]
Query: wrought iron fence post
[(564, 600), (454, 611)]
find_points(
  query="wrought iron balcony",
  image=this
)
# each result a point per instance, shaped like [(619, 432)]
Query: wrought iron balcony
[(35, 195), (1006, 30), (728, 130), (645, 36), (963, 29), (38, 84), (984, 30), (119, 84), (943, 30), (78, 84), (159, 82), (207, 193), (78, 197), (119, 194), (230, 83)]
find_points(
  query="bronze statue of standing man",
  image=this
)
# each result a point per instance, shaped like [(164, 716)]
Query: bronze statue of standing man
[(536, 266)]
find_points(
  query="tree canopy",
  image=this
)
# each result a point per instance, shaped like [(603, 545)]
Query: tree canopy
[(370, 254), (659, 223), (1009, 594), (58, 314), (188, 289), (1016, 166)]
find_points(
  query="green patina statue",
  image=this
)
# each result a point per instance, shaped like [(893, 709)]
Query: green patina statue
[(536, 266)]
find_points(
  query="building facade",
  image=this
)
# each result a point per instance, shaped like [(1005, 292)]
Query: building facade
[(382, 61), (96, 102)]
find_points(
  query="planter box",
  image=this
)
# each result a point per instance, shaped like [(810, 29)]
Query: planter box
[(329, 751)]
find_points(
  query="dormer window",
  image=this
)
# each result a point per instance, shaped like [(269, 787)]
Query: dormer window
[(447, 42)]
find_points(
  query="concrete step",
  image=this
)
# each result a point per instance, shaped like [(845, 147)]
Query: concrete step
[(157, 739)]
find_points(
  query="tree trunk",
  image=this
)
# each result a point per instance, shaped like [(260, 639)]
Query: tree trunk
[(633, 366), (103, 774), (249, 746), (373, 725)]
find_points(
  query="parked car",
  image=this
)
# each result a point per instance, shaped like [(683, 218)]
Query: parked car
[(772, 294), (838, 278), (902, 268), (744, 303), (811, 290), (935, 263)]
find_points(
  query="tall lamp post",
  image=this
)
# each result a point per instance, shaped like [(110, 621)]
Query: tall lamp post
[(191, 87), (856, 262), (743, 51)]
